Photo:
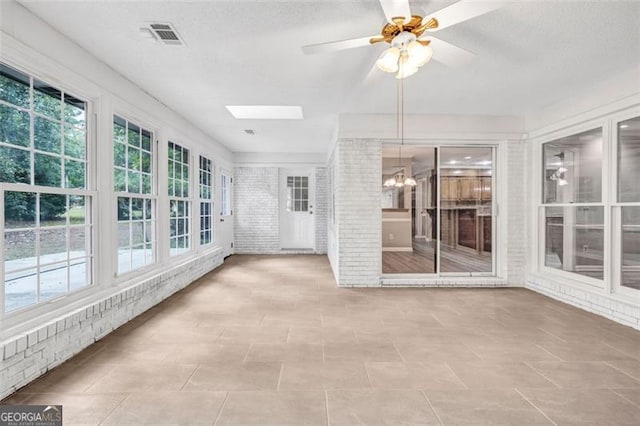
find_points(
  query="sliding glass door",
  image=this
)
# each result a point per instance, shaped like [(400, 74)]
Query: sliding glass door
[(444, 223)]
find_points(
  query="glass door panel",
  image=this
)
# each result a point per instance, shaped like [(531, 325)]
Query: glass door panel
[(409, 216), (466, 213)]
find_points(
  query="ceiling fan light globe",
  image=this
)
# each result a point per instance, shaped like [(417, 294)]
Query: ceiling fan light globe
[(419, 54), (410, 181), (388, 61)]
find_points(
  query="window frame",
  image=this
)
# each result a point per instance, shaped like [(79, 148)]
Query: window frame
[(188, 200), (81, 91), (210, 200), (540, 206), (114, 195), (615, 207)]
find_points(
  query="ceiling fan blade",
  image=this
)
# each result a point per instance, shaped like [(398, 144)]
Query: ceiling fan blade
[(394, 8), (462, 11), (449, 54), (333, 46)]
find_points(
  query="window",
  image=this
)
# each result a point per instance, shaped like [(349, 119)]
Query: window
[(225, 188), (135, 195), (572, 204), (297, 193), (628, 197), (47, 228), (179, 205), (206, 201)]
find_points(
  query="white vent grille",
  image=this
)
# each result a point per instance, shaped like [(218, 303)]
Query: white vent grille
[(166, 33), (250, 131)]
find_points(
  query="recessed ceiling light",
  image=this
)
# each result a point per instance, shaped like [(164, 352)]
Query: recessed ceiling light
[(467, 157), (457, 172), (453, 162), (266, 112), (624, 126)]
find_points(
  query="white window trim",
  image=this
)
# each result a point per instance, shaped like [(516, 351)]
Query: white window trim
[(196, 227), (189, 199)]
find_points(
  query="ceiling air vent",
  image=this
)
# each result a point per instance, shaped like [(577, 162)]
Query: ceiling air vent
[(249, 131), (166, 34)]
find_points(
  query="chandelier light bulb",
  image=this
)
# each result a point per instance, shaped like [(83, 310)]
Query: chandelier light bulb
[(410, 181), (406, 68), (388, 61), (390, 182), (419, 54)]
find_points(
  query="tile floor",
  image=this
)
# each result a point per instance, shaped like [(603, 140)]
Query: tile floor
[(271, 340)]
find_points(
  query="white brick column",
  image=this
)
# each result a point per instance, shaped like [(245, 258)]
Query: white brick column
[(358, 213)]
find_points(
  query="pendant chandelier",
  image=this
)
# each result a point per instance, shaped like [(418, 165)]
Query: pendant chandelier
[(399, 179)]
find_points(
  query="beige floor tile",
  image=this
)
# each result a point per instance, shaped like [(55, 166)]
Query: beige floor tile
[(300, 334), (593, 375), (438, 351), (266, 334), (583, 406), (207, 353), (627, 366), (78, 409), (225, 376), (511, 352), (129, 353), (270, 352), (631, 395), (298, 408), (379, 407), (70, 378), (321, 376), (479, 407), (400, 375), (371, 351), (143, 377), (164, 408), (494, 375), (584, 351)]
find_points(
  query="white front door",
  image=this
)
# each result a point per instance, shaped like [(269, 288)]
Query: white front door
[(297, 200)]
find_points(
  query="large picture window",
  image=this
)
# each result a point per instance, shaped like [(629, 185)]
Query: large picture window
[(179, 204), (572, 200), (135, 194), (47, 225), (206, 201)]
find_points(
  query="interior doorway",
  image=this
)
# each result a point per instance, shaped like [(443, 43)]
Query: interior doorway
[(444, 224), (297, 199)]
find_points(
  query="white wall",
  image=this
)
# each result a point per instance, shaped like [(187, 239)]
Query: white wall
[(598, 106), (60, 327)]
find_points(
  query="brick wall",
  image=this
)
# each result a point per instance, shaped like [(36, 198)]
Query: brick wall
[(358, 212), (257, 210), (516, 238), (256, 213), (27, 356), (321, 209)]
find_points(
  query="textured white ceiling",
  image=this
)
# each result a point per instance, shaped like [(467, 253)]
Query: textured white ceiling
[(529, 54)]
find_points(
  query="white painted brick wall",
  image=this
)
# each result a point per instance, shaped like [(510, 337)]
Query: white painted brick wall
[(257, 221), (602, 304), (516, 238), (256, 211), (358, 212), (321, 209), (27, 356)]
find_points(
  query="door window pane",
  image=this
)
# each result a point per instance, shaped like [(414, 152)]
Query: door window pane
[(572, 169), (629, 161)]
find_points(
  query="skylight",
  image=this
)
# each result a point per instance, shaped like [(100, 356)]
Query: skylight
[(266, 112)]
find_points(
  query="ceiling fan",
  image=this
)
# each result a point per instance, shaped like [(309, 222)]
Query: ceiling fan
[(409, 36)]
